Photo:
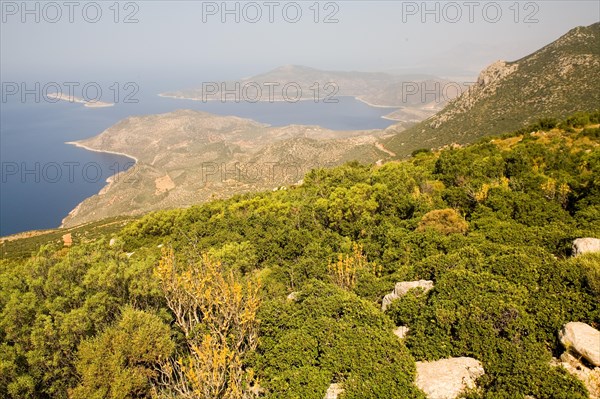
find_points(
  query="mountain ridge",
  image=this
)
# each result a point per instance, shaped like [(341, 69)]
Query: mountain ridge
[(557, 80), (377, 89)]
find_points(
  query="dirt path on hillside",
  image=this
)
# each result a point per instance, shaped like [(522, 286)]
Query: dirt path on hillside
[(382, 148)]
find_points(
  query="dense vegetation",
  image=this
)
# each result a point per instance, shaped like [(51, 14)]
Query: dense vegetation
[(280, 292)]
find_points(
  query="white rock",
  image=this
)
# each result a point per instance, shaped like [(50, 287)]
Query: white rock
[(566, 359), (256, 390), (448, 378), (334, 391), (293, 296), (589, 377), (401, 331), (387, 301), (112, 242), (582, 339), (402, 289), (585, 245)]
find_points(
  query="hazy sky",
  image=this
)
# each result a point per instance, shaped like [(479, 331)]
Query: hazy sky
[(175, 40)]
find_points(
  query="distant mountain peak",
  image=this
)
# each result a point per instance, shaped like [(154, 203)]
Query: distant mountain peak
[(291, 67)]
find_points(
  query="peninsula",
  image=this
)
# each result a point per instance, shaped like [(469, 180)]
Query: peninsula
[(74, 99)]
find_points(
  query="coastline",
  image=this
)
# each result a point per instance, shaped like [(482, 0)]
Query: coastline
[(85, 147), (97, 105), (388, 118), (375, 105), (110, 180)]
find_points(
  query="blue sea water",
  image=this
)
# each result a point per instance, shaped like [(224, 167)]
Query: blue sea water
[(43, 179)]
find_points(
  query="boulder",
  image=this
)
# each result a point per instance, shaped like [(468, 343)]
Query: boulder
[(334, 391), (402, 289), (448, 378), (582, 339), (585, 245)]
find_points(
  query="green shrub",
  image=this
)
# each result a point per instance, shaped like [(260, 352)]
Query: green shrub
[(120, 362), (326, 336)]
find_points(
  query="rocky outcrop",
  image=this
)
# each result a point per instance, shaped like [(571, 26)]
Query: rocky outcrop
[(495, 72), (448, 378), (582, 339), (487, 83), (402, 288), (585, 245), (334, 391)]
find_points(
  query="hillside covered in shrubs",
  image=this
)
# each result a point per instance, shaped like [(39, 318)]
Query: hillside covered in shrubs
[(278, 294)]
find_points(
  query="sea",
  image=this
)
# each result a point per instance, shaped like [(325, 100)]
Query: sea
[(43, 178)]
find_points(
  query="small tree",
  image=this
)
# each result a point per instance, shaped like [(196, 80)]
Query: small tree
[(345, 271), (217, 315), (549, 188)]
